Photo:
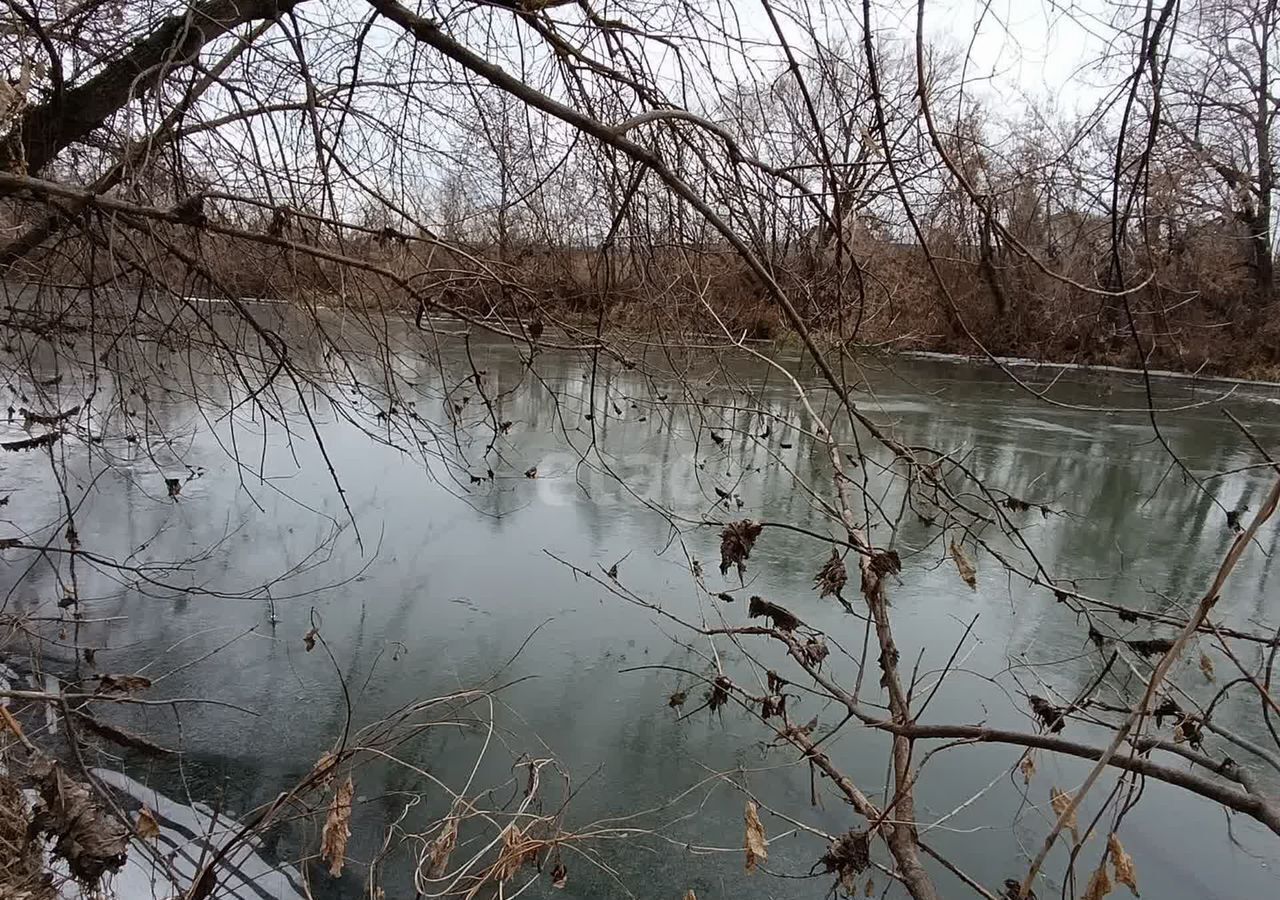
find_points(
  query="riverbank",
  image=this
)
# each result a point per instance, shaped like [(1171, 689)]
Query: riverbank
[(1208, 341), (1015, 362)]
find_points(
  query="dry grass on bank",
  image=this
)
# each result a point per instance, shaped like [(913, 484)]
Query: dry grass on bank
[(1199, 314)]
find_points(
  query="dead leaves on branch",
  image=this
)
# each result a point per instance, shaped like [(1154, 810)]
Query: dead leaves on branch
[(815, 651), (22, 860), (1206, 666), (964, 566), (1126, 874), (1166, 707), (737, 540), (323, 771), (1151, 646), (880, 565), (757, 850), (832, 577), (1018, 505), (1015, 504), (1099, 884), (337, 828), (122, 684), (780, 617), (516, 851), (442, 848), (91, 841), (1061, 803), (885, 562), (773, 705), (718, 693), (1189, 730), (146, 825), (1100, 881), (848, 856), (1050, 716), (1013, 891)]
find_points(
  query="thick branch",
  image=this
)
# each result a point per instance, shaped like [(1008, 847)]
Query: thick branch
[(45, 130)]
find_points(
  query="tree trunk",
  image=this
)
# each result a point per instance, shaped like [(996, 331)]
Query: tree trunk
[(46, 130), (1263, 247)]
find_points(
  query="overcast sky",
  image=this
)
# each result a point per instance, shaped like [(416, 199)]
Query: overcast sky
[(1016, 48)]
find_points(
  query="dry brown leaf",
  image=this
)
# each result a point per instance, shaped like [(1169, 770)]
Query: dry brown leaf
[(122, 684), (1206, 666), (1099, 884), (147, 825), (848, 857), (310, 639), (324, 770), (1126, 874), (559, 876), (964, 565), (337, 828), (1061, 802), (757, 850), (737, 540), (1028, 767), (91, 840), (871, 887), (515, 851), (1179, 735), (1050, 716), (690, 895), (832, 577), (441, 848)]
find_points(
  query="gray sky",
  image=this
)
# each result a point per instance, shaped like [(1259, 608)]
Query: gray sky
[(1016, 48)]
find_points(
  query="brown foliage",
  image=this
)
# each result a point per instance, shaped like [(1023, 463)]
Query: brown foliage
[(964, 566), (21, 858), (122, 684), (757, 850), (516, 851), (337, 828), (781, 618), (832, 577), (1126, 874), (441, 848), (146, 824), (1050, 716), (848, 857), (736, 543), (1099, 884), (89, 839)]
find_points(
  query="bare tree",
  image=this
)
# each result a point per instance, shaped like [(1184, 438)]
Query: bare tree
[(1224, 99), (634, 187)]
